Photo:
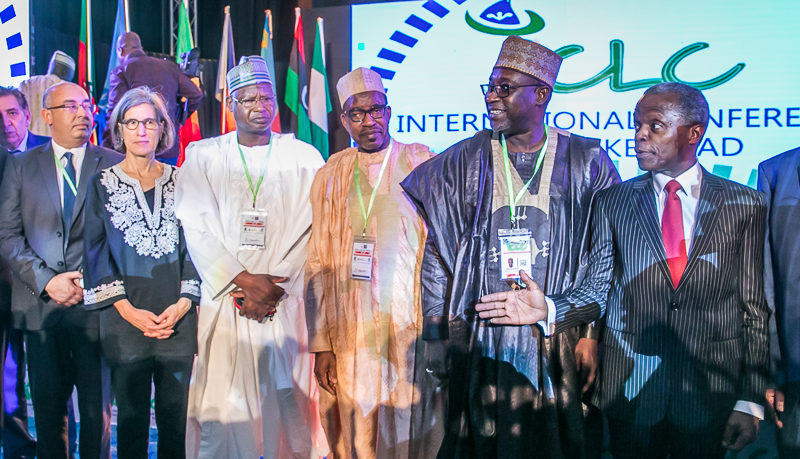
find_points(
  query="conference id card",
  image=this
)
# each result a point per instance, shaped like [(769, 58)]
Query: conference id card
[(253, 230), (515, 252), (363, 253)]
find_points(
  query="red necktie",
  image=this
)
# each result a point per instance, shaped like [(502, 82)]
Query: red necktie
[(672, 232)]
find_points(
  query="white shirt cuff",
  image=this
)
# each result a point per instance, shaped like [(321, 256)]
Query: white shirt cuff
[(549, 325), (753, 409)]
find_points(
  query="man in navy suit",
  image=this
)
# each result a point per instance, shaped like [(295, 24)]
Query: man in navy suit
[(42, 197), (677, 263), (779, 180)]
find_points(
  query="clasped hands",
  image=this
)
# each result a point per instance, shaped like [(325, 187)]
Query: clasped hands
[(514, 307), (258, 294), (160, 326)]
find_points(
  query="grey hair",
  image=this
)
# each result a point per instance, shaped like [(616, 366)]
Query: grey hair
[(9, 91), (692, 104), (139, 96)]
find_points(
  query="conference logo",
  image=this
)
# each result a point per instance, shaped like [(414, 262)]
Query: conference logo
[(500, 18), (501, 13)]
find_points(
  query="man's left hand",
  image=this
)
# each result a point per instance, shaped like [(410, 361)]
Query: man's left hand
[(516, 307), (586, 360), (740, 431)]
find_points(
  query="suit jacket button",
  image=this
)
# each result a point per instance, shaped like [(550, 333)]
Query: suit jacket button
[(60, 263), (674, 306), (58, 233)]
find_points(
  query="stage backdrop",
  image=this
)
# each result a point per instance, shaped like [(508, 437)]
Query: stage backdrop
[(15, 31), (433, 55)]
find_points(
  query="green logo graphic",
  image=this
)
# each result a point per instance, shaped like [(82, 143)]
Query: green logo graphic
[(502, 13), (613, 71)]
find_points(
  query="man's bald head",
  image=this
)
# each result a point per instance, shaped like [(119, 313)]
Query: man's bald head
[(127, 43)]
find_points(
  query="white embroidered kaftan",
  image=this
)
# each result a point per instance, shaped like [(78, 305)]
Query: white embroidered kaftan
[(253, 391)]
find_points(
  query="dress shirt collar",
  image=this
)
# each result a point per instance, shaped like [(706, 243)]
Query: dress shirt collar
[(24, 144), (77, 152), (689, 180)]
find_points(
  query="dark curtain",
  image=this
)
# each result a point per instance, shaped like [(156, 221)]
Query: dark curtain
[(54, 26)]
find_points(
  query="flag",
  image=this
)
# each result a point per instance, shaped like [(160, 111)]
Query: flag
[(269, 57), (113, 61), (190, 131), (185, 40), (86, 57), (227, 60), (319, 99), (296, 87), (120, 27)]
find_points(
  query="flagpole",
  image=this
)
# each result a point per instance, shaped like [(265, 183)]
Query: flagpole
[(269, 21), (89, 44), (127, 18)]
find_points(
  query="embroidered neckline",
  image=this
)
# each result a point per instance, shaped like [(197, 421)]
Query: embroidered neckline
[(153, 218), (152, 233)]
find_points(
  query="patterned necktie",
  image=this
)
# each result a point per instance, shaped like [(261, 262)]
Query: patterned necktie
[(672, 232), (69, 197)]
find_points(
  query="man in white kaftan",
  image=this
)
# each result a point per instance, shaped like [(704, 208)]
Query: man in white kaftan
[(253, 391)]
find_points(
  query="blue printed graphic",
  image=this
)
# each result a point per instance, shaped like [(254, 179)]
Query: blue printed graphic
[(500, 13)]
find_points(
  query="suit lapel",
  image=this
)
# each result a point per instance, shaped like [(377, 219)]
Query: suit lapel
[(91, 163), (644, 205), (49, 176), (707, 216)]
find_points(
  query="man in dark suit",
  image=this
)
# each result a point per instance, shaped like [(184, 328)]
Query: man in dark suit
[(17, 442), (41, 224), (16, 118), (677, 258), (138, 69), (779, 180)]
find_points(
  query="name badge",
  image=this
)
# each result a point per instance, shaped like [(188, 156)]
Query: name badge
[(253, 230), (363, 252), (515, 252)]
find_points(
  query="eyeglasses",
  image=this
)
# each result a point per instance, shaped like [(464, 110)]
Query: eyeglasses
[(133, 124), (503, 90), (72, 107), (357, 115), (251, 102)]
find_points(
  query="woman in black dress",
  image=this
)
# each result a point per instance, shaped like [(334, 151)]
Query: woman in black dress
[(140, 280)]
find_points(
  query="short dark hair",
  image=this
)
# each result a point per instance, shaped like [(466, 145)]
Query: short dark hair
[(10, 91), (692, 104)]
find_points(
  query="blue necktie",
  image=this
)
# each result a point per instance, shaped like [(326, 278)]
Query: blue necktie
[(69, 198)]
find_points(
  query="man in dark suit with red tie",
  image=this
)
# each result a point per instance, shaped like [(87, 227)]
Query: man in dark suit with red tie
[(42, 197), (676, 261)]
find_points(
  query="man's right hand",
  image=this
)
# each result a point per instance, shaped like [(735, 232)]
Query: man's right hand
[(325, 370), (260, 288), (64, 290), (515, 307)]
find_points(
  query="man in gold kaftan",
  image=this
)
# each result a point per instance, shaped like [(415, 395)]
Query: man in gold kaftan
[(364, 314)]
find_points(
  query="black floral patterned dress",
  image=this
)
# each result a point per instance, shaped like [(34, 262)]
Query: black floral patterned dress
[(135, 249)]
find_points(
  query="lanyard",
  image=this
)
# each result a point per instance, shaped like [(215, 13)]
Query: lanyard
[(64, 174), (366, 212), (254, 189), (513, 200)]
